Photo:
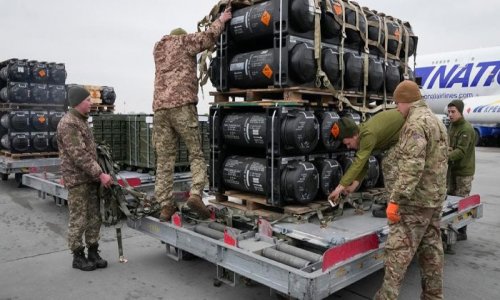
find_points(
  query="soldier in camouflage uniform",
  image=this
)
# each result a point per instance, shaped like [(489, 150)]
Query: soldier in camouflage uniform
[(414, 210), (81, 175), (461, 158), (175, 113), (379, 133)]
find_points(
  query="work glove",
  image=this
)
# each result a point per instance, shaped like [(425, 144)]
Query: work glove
[(392, 212)]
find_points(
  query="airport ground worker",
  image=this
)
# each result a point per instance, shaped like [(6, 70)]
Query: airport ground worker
[(414, 209)]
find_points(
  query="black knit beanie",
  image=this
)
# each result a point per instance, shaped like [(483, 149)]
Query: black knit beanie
[(76, 94), (459, 104)]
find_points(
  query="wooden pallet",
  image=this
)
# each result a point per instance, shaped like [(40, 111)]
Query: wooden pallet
[(258, 205), (29, 154), (13, 106), (102, 108), (294, 94), (312, 96), (96, 101)]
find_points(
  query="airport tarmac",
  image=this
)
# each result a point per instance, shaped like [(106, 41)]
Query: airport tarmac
[(36, 264)]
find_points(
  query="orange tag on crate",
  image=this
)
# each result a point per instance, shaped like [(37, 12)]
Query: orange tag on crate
[(335, 130), (396, 34), (267, 71), (266, 18)]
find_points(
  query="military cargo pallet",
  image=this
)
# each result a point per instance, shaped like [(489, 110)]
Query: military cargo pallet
[(257, 205), (28, 154)]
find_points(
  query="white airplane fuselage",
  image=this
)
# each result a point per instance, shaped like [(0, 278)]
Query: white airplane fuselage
[(458, 75)]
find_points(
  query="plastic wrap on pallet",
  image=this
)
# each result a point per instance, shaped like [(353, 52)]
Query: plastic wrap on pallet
[(39, 120), (39, 141), (15, 70), (15, 92), (57, 73), (39, 71)]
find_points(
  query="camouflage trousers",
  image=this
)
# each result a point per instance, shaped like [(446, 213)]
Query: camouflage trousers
[(84, 215), (389, 171), (417, 232), (168, 126), (459, 185)]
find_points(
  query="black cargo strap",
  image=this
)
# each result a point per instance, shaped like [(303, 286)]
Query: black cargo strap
[(112, 199), (407, 47), (321, 78)]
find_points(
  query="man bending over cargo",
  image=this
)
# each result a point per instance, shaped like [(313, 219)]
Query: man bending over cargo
[(379, 133), (175, 113)]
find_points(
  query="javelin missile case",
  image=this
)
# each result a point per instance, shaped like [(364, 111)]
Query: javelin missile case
[(262, 150), (272, 43)]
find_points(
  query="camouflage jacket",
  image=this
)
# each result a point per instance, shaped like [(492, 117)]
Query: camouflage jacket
[(380, 132), (422, 156), (176, 83), (77, 150)]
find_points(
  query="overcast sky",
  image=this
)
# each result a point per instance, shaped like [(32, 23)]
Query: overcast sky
[(110, 42)]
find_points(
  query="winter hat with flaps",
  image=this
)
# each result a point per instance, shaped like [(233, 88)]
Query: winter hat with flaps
[(407, 91), (344, 128), (459, 104), (76, 94)]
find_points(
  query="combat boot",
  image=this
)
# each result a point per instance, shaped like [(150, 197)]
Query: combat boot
[(95, 258), (195, 203), (80, 261), (462, 234), (166, 212)]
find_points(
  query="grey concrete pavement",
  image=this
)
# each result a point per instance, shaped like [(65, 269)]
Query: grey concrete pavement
[(35, 262)]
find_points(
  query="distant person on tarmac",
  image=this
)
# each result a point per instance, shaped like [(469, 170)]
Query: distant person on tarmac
[(82, 175), (175, 113), (379, 133), (414, 209), (461, 156)]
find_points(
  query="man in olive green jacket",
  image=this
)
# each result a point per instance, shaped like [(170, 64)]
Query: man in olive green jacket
[(461, 156), (379, 133)]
